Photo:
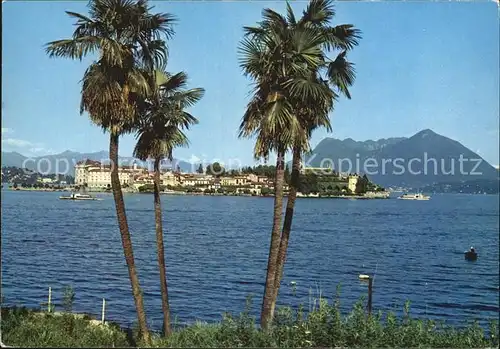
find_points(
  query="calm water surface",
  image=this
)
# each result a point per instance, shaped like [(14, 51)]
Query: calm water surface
[(216, 251)]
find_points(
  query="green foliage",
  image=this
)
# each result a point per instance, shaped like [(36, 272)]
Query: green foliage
[(25, 328), (260, 170), (265, 191), (229, 189), (215, 169), (308, 183), (175, 187), (149, 188), (323, 326), (68, 298)]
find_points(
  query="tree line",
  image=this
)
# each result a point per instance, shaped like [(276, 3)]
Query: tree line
[(217, 170), (298, 67)]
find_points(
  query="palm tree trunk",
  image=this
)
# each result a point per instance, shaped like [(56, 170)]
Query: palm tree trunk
[(161, 251), (267, 309), (287, 223), (126, 241)]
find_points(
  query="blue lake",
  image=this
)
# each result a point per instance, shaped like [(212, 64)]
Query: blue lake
[(216, 253)]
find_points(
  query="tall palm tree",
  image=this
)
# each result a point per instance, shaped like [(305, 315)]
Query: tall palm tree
[(278, 58), (158, 133), (128, 40), (338, 75)]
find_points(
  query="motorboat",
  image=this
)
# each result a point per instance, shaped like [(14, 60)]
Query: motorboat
[(79, 196), (414, 197)]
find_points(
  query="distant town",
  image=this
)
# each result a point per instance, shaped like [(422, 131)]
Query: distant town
[(213, 179)]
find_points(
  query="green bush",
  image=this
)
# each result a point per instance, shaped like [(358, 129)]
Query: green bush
[(68, 298), (323, 326), (149, 188), (26, 328)]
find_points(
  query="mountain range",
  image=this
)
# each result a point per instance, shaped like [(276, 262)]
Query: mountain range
[(425, 158), (398, 153), (65, 161)]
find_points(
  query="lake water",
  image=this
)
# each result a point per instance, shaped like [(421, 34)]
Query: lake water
[(216, 252)]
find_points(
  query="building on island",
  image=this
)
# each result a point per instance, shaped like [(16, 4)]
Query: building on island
[(142, 179), (195, 180), (328, 180), (227, 181), (94, 174), (169, 178), (353, 183), (257, 179)]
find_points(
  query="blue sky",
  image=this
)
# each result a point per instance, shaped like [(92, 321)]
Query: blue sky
[(419, 65)]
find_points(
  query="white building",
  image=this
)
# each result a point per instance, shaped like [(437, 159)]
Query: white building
[(170, 178), (353, 182), (97, 175), (196, 180)]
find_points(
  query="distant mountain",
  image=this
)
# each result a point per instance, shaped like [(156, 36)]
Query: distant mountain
[(64, 162), (423, 159), (12, 159), (331, 148)]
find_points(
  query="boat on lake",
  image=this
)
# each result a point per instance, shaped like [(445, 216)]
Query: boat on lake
[(79, 196), (408, 196)]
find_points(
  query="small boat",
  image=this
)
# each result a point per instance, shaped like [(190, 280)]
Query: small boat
[(470, 255), (414, 197), (78, 196)]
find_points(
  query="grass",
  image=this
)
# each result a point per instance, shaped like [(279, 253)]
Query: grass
[(22, 327), (324, 326)]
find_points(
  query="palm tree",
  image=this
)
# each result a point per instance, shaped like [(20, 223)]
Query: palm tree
[(159, 132), (287, 59), (339, 75), (279, 58), (128, 41)]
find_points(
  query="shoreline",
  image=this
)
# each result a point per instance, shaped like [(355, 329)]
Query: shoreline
[(181, 193)]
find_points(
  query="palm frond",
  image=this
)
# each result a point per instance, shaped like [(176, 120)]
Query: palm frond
[(72, 48), (318, 12), (342, 37), (342, 74), (290, 16)]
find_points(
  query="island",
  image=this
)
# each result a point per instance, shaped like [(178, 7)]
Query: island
[(212, 179)]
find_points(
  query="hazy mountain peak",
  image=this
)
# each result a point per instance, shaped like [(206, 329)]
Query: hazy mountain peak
[(64, 162), (433, 158), (426, 133)]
